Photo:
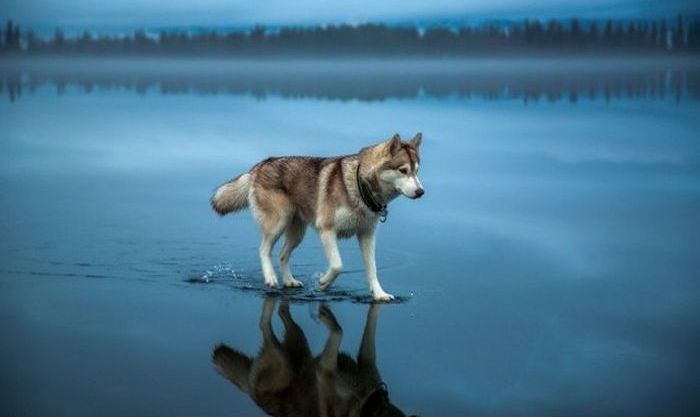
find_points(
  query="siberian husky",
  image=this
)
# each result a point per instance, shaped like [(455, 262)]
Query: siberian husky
[(285, 379), (340, 197)]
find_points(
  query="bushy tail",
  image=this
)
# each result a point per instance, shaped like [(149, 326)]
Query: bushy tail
[(233, 365), (231, 196)]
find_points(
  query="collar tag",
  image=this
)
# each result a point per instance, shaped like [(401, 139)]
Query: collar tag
[(383, 214)]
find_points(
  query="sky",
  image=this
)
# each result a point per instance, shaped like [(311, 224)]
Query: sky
[(153, 14)]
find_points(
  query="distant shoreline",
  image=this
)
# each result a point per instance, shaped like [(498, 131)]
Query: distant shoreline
[(571, 60), (529, 37)]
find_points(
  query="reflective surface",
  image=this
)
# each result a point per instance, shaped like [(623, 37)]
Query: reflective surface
[(546, 79), (550, 269), (286, 379)]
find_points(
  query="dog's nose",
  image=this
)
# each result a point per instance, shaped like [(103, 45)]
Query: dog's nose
[(419, 192)]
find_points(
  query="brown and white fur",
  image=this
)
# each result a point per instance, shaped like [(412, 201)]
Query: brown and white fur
[(285, 379), (286, 194)]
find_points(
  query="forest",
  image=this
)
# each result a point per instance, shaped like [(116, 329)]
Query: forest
[(679, 35)]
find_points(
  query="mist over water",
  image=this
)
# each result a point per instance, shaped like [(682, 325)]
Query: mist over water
[(550, 269)]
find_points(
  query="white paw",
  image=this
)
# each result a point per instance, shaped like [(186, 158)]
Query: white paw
[(292, 283), (271, 283), (323, 285), (382, 296)]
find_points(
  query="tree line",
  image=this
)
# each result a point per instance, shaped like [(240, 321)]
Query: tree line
[(529, 36)]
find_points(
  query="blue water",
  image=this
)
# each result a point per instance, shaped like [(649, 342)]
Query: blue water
[(550, 269)]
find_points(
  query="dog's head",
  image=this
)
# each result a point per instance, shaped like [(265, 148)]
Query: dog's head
[(394, 165)]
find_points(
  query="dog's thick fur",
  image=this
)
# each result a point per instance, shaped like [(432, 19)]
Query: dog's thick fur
[(285, 379), (338, 196)]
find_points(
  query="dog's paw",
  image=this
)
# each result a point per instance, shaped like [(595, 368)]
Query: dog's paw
[(271, 284), (292, 283), (382, 297), (283, 311), (324, 285), (327, 318)]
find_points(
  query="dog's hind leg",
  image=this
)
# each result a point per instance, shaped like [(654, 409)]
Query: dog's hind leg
[(271, 368), (293, 237), (265, 323), (273, 212), (329, 238), (268, 242)]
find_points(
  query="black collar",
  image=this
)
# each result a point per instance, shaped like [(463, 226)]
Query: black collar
[(368, 198)]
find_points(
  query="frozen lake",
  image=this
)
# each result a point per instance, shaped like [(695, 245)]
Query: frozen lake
[(551, 268)]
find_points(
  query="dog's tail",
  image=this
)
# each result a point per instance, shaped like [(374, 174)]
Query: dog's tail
[(232, 196), (233, 365)]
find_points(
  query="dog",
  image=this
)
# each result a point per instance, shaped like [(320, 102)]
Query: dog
[(285, 379), (339, 196)]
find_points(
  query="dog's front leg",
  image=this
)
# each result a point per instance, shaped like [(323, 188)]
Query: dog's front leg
[(367, 246), (329, 356), (329, 239), (367, 357)]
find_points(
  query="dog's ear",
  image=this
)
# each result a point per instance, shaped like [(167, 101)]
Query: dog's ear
[(394, 145), (417, 140)]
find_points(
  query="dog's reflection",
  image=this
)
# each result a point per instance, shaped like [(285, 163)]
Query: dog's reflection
[(285, 379)]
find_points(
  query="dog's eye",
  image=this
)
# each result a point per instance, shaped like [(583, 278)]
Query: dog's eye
[(404, 171)]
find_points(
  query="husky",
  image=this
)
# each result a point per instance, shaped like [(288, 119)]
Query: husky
[(285, 379), (340, 197)]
